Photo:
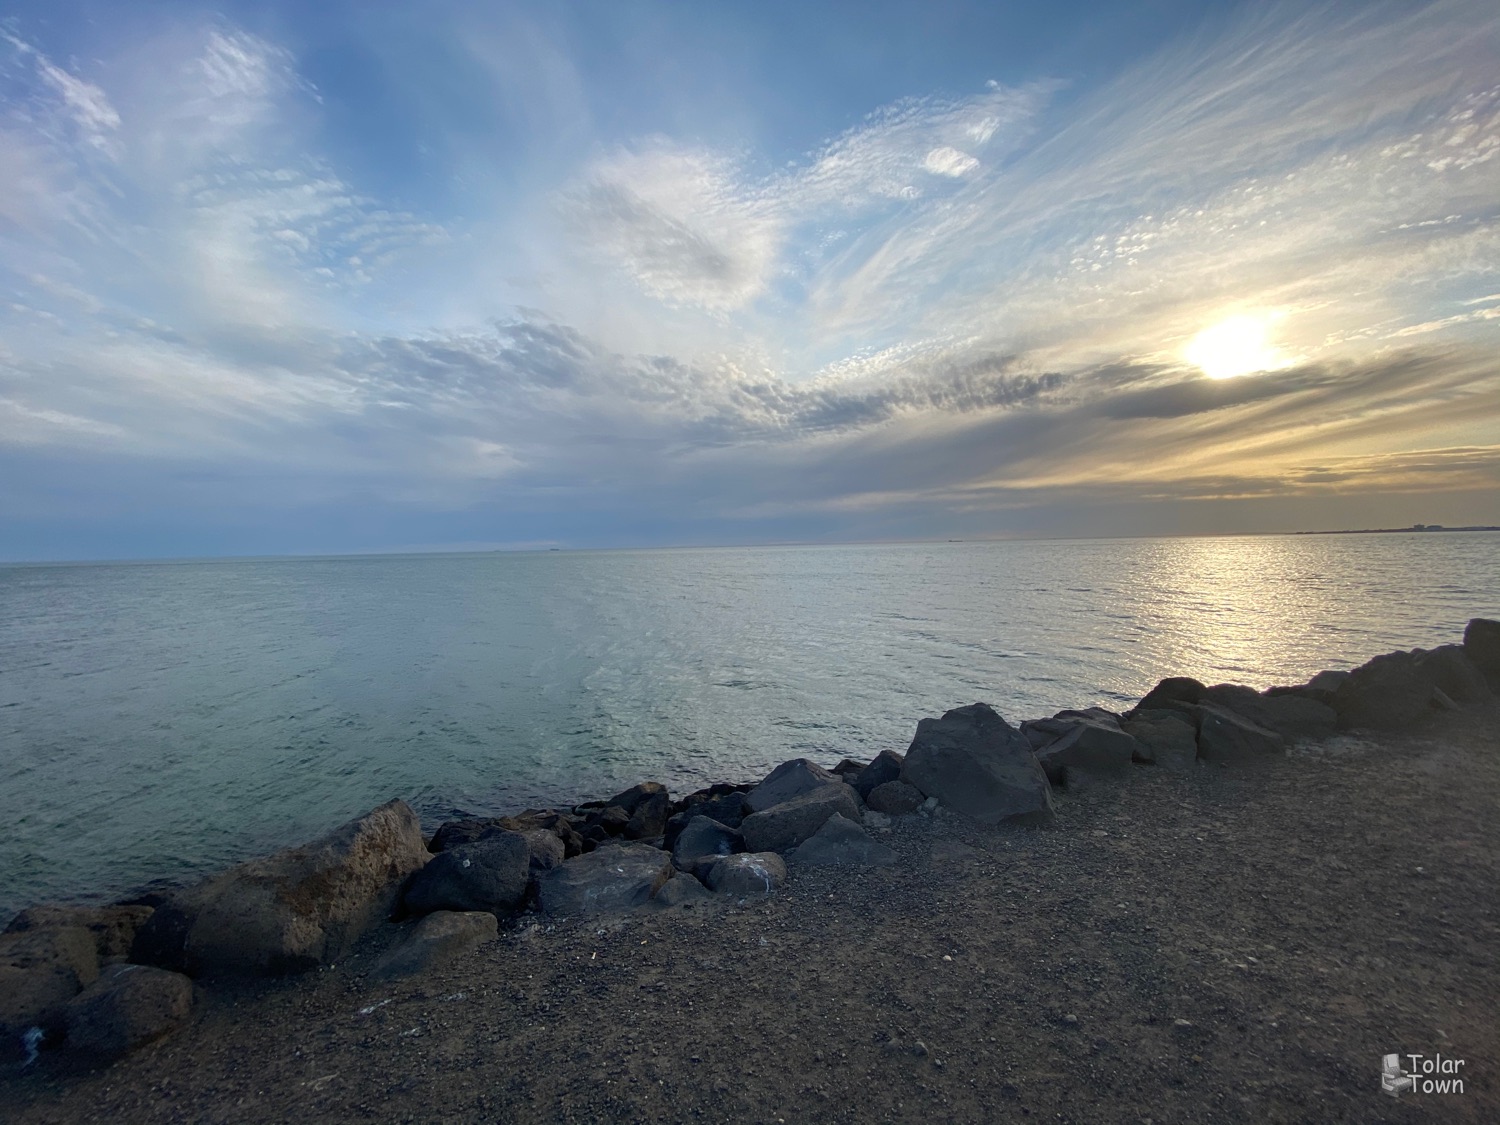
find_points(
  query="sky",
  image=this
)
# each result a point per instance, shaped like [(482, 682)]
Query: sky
[(282, 278)]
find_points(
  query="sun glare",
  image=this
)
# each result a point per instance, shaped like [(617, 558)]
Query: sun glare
[(1237, 346)]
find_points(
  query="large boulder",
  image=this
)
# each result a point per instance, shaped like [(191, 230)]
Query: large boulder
[(1172, 692), (113, 927), (1228, 737), (491, 875), (40, 971), (1076, 740), (610, 878), (787, 823), (292, 911), (747, 874), (439, 938), (726, 808), (976, 763), (705, 837), (895, 798), (1293, 716), (788, 781), (546, 849), (885, 768), (842, 841), (1390, 692), (1165, 738), (1455, 674), (1482, 647), (645, 806), (127, 1007)]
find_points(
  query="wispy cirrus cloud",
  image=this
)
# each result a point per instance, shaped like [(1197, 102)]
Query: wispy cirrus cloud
[(956, 305)]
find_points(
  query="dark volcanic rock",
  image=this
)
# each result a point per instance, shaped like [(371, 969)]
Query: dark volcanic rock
[(489, 875), (787, 781), (1166, 738), (886, 767), (749, 873), (1389, 692), (842, 841), (545, 848), (128, 1006), (40, 971), (113, 927), (648, 819), (1482, 647), (294, 910), (613, 819), (895, 798), (727, 808), (1450, 669), (705, 837), (786, 824), (440, 937), (976, 763), (1093, 742), (1228, 737), (848, 769), (682, 890), (1171, 691), (610, 878), (1291, 715), (470, 830), (632, 798)]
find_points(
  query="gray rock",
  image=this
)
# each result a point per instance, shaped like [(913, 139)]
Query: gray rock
[(649, 819), (875, 819), (1482, 647), (705, 837), (1452, 671), (1225, 736), (786, 824), (787, 782), (292, 911), (441, 937), (489, 875), (896, 798), (842, 841), (1173, 690), (127, 1007), (749, 873), (1292, 715), (886, 767), (1328, 681), (1389, 692), (1092, 743), (40, 971), (612, 877), (974, 762), (682, 890), (636, 795), (113, 927), (546, 849), (1166, 738), (848, 769)]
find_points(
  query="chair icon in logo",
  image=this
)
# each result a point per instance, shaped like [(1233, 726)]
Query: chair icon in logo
[(1392, 1081)]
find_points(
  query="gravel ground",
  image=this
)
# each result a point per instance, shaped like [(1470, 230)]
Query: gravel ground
[(1304, 918)]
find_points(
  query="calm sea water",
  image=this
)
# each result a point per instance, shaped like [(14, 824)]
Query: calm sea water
[(161, 720)]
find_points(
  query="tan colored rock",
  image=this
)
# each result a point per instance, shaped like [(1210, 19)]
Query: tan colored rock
[(294, 910)]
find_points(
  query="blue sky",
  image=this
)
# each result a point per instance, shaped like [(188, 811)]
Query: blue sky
[(285, 278)]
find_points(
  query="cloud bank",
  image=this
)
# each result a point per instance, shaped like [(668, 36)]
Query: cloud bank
[(963, 314)]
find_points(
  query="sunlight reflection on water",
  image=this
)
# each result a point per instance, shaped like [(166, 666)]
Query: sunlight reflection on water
[(160, 719)]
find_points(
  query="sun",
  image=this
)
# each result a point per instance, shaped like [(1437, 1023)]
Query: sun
[(1236, 346)]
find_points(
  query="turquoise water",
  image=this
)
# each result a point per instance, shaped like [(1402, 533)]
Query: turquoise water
[(160, 720)]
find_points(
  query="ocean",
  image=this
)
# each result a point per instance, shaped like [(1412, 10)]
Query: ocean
[(163, 720)]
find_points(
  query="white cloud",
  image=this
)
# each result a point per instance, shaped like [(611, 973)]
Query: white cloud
[(946, 161)]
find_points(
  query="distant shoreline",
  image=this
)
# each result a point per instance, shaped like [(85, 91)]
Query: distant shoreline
[(1423, 527)]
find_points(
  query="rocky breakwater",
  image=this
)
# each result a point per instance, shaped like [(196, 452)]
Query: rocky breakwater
[(104, 980)]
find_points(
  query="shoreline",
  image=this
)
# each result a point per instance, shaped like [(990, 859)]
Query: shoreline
[(1078, 754)]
